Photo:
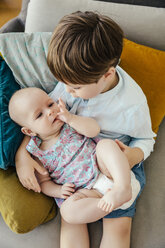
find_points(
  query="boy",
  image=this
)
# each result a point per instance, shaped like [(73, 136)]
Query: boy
[(83, 53)]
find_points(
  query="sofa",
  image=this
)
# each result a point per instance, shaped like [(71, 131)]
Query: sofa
[(143, 23)]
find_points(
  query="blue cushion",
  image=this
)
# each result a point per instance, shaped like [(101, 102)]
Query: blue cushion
[(10, 133)]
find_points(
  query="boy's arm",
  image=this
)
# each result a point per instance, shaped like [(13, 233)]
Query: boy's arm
[(26, 166), (84, 125), (135, 155), (142, 136)]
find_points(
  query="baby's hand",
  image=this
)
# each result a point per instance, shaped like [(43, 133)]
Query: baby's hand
[(67, 190), (64, 115)]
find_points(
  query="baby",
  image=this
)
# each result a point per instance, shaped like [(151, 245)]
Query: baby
[(64, 144)]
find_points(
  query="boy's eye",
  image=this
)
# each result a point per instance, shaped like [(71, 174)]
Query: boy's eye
[(51, 104), (39, 115), (77, 88)]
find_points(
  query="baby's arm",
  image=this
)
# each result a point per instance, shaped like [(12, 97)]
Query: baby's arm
[(48, 187), (26, 166), (84, 125)]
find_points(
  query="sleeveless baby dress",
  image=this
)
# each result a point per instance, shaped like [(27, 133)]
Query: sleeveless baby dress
[(71, 159)]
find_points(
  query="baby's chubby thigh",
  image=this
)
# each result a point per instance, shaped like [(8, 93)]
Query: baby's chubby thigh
[(105, 150), (75, 203)]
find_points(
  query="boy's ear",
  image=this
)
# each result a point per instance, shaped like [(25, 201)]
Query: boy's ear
[(110, 72), (27, 131)]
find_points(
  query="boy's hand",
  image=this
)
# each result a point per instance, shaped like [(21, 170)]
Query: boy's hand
[(26, 174), (134, 154), (67, 190), (64, 114)]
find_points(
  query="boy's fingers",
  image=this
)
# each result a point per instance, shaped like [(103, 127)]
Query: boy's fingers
[(40, 169), (24, 184), (120, 143), (33, 184)]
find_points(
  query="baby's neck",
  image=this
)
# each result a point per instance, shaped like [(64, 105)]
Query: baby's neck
[(49, 141)]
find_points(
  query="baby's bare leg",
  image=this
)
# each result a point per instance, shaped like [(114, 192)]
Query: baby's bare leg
[(113, 163), (82, 208)]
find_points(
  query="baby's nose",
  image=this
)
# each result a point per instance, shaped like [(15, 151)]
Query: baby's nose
[(50, 112)]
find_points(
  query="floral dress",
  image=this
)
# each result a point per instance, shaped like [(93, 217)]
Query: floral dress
[(71, 159)]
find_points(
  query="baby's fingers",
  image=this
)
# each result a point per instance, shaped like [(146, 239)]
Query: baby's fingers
[(69, 189), (61, 102), (69, 185), (66, 194)]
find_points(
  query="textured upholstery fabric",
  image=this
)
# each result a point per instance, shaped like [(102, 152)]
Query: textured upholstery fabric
[(147, 66), (138, 22), (22, 209), (10, 134)]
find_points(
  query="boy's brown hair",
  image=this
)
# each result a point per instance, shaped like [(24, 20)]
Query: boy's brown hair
[(83, 47)]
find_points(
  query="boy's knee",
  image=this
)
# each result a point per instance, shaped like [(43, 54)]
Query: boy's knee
[(123, 228)]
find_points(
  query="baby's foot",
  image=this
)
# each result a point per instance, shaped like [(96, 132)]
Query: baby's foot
[(115, 197)]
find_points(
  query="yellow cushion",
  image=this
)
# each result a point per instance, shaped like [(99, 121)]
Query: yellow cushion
[(147, 67), (21, 209)]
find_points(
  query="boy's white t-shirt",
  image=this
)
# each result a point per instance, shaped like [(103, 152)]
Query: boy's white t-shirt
[(121, 112)]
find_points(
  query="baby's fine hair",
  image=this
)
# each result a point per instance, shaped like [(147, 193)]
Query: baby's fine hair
[(83, 47)]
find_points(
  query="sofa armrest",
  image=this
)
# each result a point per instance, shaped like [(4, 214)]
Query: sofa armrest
[(16, 24)]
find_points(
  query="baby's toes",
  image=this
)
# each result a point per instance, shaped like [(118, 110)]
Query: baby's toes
[(104, 206), (100, 203), (107, 207)]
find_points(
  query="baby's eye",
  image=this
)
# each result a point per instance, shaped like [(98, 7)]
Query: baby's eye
[(51, 104), (39, 115)]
